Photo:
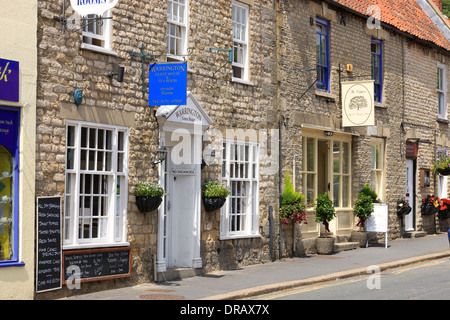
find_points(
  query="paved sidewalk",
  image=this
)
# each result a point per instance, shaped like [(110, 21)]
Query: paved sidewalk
[(285, 273)]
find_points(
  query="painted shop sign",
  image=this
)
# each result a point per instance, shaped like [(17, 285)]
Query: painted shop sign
[(167, 84), (358, 107), (9, 80), (98, 7)]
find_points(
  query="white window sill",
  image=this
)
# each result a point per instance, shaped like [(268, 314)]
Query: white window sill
[(237, 80), (95, 245), (98, 49), (442, 119), (248, 236)]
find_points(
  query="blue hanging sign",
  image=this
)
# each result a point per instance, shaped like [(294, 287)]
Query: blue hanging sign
[(167, 84), (9, 80)]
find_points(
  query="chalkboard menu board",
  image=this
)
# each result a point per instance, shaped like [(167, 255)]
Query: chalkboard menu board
[(48, 248), (98, 264)]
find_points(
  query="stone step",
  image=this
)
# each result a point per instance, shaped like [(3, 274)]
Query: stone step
[(343, 246), (177, 274), (414, 234)]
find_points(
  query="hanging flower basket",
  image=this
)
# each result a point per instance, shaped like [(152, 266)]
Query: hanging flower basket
[(444, 212), (148, 196), (403, 208), (430, 205), (214, 194), (444, 172), (213, 203), (147, 204), (442, 165)]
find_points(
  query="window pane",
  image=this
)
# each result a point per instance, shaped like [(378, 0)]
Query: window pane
[(345, 191), (336, 157), (336, 190), (345, 158), (6, 205), (310, 151)]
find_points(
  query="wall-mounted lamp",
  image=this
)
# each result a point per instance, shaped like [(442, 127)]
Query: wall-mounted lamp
[(118, 74), (160, 156)]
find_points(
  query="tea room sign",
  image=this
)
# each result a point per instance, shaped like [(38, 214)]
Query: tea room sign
[(358, 107)]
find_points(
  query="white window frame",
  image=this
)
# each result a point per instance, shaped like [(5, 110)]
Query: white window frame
[(240, 34), (250, 216), (442, 181), (442, 91), (102, 31), (179, 23), (377, 172), (116, 196)]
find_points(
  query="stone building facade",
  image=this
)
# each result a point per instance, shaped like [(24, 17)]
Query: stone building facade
[(92, 152)]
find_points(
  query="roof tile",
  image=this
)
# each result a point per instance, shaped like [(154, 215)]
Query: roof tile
[(405, 15)]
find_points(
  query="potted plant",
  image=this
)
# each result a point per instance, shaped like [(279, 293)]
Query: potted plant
[(430, 205), (214, 194), (148, 196), (442, 165), (325, 212), (364, 205), (362, 209), (293, 206)]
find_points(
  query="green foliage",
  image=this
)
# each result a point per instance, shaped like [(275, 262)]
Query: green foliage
[(149, 189), (446, 7), (289, 196), (213, 188), (363, 206), (369, 192), (292, 204), (324, 208)]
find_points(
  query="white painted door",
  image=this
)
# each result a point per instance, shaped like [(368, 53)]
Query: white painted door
[(410, 194)]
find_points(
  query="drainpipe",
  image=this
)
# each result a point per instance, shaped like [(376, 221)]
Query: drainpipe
[(279, 186), (293, 182)]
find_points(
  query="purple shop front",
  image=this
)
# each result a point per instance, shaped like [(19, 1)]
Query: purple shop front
[(9, 80)]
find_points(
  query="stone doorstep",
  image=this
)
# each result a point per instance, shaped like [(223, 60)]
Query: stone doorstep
[(414, 234), (178, 273), (343, 246)]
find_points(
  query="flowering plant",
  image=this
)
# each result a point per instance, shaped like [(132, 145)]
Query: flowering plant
[(213, 188), (292, 204), (431, 200), (430, 205), (444, 204), (148, 189), (442, 163)]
